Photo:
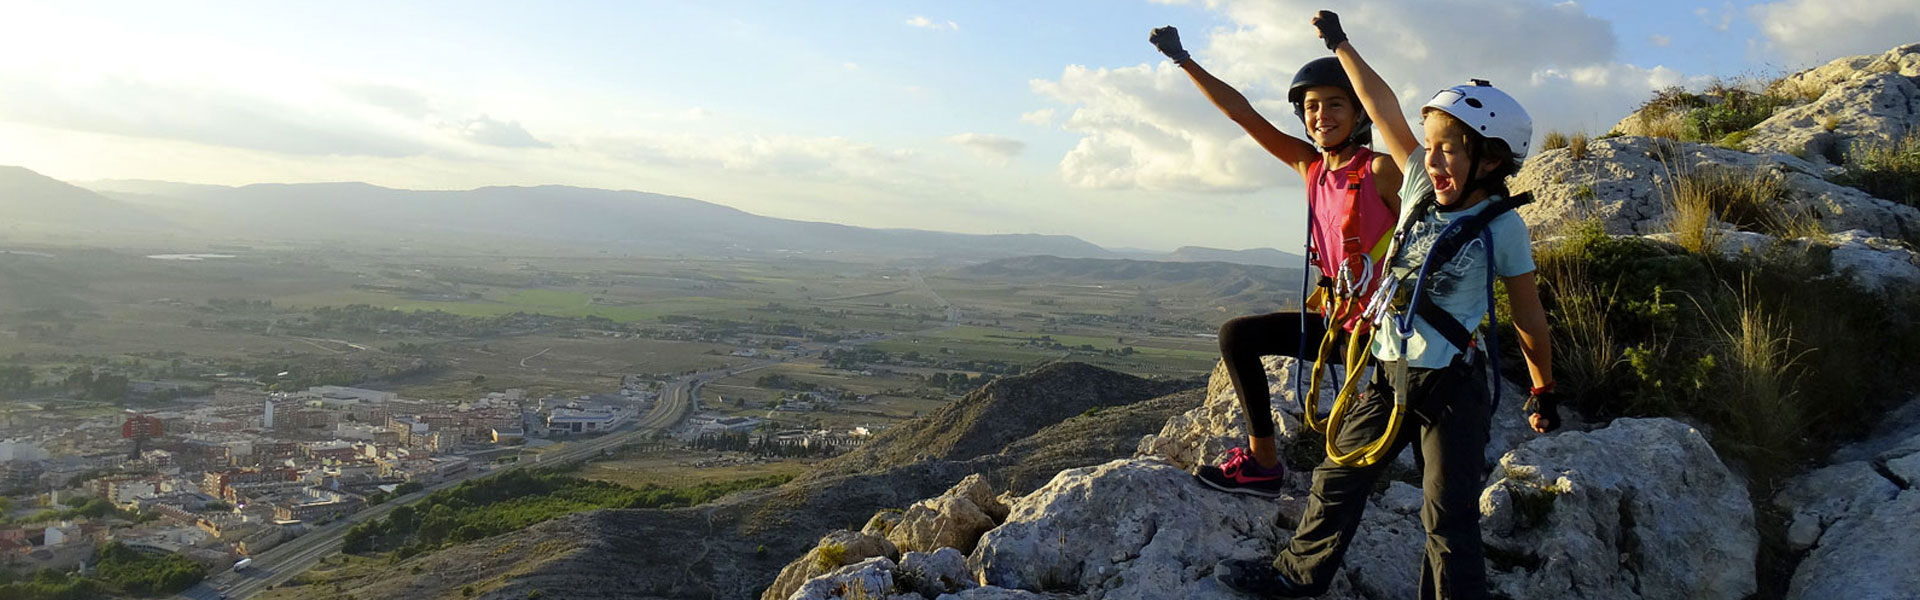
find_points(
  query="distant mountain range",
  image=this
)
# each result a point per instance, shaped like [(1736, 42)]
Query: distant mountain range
[(628, 221)]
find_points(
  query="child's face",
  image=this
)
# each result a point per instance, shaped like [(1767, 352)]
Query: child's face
[(1447, 158), (1330, 114)]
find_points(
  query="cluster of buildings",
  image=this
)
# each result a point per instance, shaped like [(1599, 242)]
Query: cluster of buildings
[(237, 473)]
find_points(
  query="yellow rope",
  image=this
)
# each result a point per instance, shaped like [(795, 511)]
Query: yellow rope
[(1356, 364)]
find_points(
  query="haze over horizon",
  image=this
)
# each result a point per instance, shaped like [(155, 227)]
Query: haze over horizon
[(1057, 118)]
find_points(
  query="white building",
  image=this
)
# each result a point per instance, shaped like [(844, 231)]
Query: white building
[(569, 421)]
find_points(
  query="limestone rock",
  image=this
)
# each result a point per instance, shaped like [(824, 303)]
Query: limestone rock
[(1874, 263), (1642, 508), (934, 573), (1203, 434), (994, 593), (1869, 99), (1858, 516), (836, 550), (1869, 555), (1824, 496), (870, 578), (1625, 181), (955, 519), (1125, 529), (882, 523)]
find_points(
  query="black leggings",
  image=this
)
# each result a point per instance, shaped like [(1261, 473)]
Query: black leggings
[(1244, 340)]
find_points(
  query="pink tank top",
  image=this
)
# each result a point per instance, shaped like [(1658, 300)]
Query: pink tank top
[(1350, 223)]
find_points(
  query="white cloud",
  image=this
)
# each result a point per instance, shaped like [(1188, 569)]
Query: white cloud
[(1152, 129), (1812, 32), (997, 148), (324, 123), (926, 23), (501, 134), (1040, 118), (1146, 127), (1721, 21), (1660, 40)]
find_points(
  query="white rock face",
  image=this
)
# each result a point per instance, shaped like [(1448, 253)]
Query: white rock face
[(1858, 517), (1202, 435), (1625, 183), (1125, 529), (1642, 508), (1875, 264), (852, 547), (1870, 99), (938, 572), (955, 519), (871, 578)]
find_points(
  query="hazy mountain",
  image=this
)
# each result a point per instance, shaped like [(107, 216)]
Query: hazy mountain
[(29, 199), (628, 220), (1234, 288), (1266, 257)]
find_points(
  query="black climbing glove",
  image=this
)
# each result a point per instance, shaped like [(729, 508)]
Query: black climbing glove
[(1167, 39), (1329, 26), (1546, 404)]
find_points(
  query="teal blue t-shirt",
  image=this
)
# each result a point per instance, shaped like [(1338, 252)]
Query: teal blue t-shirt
[(1458, 287)]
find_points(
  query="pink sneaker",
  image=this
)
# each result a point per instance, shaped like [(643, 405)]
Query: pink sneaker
[(1241, 474)]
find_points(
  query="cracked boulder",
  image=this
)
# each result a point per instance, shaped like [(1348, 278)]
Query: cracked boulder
[(1856, 518), (838, 549), (954, 519), (1642, 508), (1125, 529)]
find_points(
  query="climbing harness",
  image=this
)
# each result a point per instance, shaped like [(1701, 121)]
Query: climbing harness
[(1390, 310)]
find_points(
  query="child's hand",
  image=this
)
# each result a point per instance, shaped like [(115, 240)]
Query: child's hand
[(1167, 39), (1544, 411), (1328, 25)]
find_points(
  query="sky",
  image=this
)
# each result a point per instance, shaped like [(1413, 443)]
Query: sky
[(982, 117)]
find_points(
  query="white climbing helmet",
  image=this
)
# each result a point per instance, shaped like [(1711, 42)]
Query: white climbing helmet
[(1488, 111)]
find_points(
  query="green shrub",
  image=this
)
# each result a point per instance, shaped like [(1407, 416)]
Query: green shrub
[(830, 557), (1886, 171)]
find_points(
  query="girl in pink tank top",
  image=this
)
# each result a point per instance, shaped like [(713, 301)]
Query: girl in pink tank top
[(1353, 207), (1350, 226)]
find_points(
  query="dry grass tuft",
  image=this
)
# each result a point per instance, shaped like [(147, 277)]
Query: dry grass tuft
[(1554, 140), (1577, 146)]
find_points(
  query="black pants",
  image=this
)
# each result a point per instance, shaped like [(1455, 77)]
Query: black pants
[(1449, 418), (1245, 339)]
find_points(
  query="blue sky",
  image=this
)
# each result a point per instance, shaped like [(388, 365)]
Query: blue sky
[(1050, 117)]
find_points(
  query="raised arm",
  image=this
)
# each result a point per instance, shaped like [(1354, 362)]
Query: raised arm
[(1374, 93), (1297, 153)]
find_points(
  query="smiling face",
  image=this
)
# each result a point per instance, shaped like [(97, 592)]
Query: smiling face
[(1448, 158), (1330, 114)]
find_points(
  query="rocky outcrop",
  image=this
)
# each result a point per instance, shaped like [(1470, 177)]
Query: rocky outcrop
[(1627, 182), (1642, 508), (1126, 529), (840, 558), (1856, 517), (955, 519), (1871, 99)]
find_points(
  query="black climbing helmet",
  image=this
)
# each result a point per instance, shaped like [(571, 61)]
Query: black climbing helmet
[(1328, 72)]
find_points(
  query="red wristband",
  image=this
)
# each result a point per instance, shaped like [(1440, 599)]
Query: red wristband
[(1538, 390)]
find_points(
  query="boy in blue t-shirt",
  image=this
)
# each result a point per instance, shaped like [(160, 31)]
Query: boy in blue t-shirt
[(1475, 136)]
